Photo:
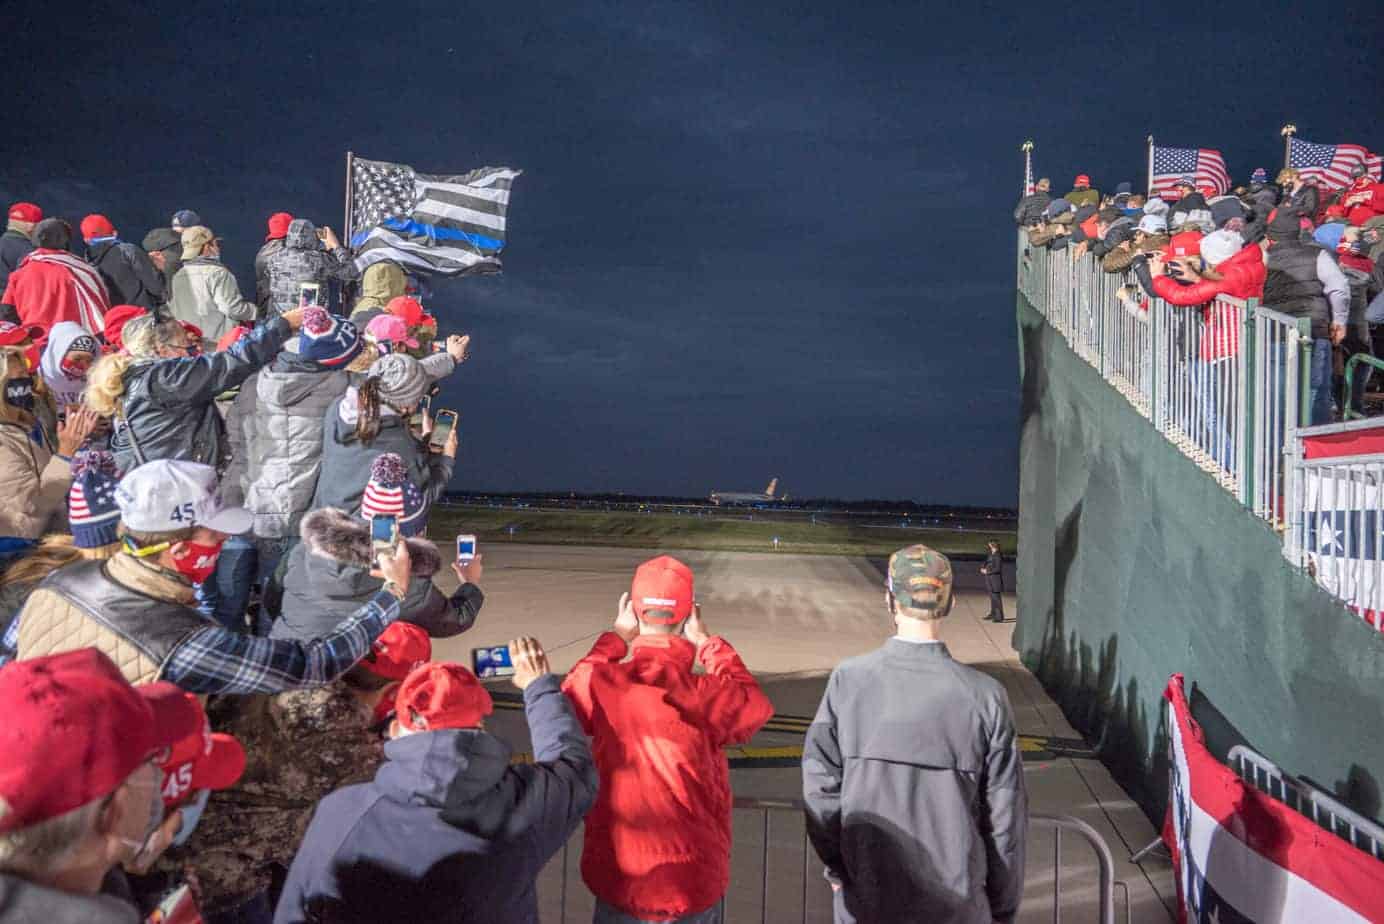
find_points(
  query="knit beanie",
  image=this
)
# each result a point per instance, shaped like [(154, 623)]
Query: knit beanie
[(327, 339), (91, 507), (402, 379), (389, 492), (1220, 246), (1260, 176), (115, 321)]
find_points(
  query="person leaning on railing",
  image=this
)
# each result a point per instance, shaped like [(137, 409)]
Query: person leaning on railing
[(1226, 267)]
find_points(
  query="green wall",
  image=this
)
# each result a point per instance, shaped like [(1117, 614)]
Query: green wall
[(1134, 565)]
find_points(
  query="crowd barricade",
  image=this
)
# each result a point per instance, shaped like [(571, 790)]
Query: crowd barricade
[(1224, 382), (776, 876), (1301, 796)]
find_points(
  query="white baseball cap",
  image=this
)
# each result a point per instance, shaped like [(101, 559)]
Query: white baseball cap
[(168, 495), (1153, 224)]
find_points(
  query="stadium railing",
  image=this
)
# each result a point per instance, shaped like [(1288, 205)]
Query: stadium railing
[(1301, 796), (786, 883)]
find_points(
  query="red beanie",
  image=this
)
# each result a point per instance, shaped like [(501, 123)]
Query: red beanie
[(115, 321), (94, 226), (278, 225)]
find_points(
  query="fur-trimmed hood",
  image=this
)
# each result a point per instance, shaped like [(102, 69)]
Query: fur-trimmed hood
[(336, 535)]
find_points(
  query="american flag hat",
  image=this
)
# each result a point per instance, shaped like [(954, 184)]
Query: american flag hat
[(390, 492), (91, 508)]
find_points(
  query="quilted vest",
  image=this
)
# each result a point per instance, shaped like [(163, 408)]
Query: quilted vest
[(82, 606), (1291, 285)]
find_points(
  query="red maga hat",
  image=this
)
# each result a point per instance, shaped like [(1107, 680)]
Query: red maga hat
[(75, 730), (400, 649), (443, 695), (202, 760), (662, 583), (94, 226), (26, 211)]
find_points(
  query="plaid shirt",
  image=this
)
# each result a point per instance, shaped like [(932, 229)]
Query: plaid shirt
[(217, 660)]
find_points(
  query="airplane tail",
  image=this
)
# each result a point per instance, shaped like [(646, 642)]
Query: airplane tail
[(773, 486)]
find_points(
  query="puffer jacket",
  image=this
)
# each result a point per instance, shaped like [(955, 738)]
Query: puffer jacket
[(380, 282), (328, 580), (205, 293), (130, 276), (346, 460), (170, 404), (1030, 209), (1242, 276), (241, 418), (285, 442), (303, 260), (33, 480)]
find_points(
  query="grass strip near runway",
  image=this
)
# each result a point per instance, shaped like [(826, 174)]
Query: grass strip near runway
[(742, 532)]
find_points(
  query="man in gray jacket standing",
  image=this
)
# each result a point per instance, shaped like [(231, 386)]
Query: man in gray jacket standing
[(929, 822)]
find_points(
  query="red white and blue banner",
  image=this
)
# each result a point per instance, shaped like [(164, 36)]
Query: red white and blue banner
[(1343, 520), (1242, 856)]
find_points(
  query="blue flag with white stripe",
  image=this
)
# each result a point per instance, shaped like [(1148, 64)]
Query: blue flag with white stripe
[(429, 224)]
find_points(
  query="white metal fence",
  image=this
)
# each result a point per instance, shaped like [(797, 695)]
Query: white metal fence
[(1223, 382)]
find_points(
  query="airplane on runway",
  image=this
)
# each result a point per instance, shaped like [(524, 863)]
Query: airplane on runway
[(734, 498)]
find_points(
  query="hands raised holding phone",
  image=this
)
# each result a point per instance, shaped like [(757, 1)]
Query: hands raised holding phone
[(529, 659)]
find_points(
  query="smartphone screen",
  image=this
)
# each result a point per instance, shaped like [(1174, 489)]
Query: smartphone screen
[(443, 422), (416, 419), (309, 293), (382, 531), (384, 346), (492, 662), (466, 548)]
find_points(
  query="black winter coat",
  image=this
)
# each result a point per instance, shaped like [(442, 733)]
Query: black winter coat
[(1030, 209), (130, 276), (170, 404), (13, 248), (328, 581), (346, 460)]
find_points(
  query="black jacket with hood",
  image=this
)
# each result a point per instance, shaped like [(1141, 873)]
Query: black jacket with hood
[(302, 260), (129, 274), (328, 580), (14, 246)]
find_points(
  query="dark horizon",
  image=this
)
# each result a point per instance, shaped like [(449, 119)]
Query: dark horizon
[(748, 242)]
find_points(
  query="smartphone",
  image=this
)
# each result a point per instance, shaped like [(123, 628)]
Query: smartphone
[(438, 346), (384, 346), (417, 418), (384, 533), (178, 907), (309, 293), (492, 662), (466, 548), (443, 422)]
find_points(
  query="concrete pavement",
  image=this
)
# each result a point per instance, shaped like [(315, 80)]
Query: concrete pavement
[(792, 618)]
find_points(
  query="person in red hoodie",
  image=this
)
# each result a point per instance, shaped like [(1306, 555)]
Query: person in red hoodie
[(1364, 198), (657, 842), (52, 285)]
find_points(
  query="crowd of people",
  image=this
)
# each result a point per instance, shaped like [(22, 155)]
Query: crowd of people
[(218, 677), (1299, 248)]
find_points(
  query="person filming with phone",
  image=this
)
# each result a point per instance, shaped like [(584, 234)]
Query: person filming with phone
[(658, 839), (449, 829)]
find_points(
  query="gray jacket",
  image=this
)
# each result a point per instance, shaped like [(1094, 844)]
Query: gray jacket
[(346, 461), (301, 260), (285, 441), (328, 580), (170, 404), (915, 789), (205, 293)]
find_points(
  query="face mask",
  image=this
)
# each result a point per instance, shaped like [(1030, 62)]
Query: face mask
[(75, 365), (192, 814), (20, 393), (196, 561)]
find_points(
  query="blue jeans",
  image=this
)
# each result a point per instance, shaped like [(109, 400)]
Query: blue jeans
[(1320, 383), (1211, 434), (244, 562), (605, 914)]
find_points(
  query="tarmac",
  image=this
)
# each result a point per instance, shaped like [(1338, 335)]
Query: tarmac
[(793, 618)]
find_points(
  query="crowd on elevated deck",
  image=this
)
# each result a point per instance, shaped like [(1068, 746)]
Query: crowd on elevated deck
[(217, 609), (1300, 249)]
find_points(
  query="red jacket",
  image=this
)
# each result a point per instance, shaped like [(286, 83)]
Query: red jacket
[(658, 838), (1242, 277), (1371, 201), (50, 286)]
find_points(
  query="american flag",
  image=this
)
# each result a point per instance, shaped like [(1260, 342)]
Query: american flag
[(1206, 167), (445, 225), (1330, 164)]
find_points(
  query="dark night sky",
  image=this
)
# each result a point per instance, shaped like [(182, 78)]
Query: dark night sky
[(750, 239)]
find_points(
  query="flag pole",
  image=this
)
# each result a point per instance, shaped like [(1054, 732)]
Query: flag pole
[(1288, 131), (350, 190), (1149, 191), (1027, 148)]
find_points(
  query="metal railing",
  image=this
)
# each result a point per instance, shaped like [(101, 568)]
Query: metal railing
[(1224, 382), (1348, 410), (776, 828), (1301, 796)]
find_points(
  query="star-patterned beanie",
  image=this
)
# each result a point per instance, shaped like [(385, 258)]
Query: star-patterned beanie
[(390, 492), (91, 507)]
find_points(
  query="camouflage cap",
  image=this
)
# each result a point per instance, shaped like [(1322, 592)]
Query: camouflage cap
[(921, 579)]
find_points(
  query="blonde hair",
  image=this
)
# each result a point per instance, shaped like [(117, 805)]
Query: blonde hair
[(8, 411), (1287, 175), (141, 337), (52, 552)]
